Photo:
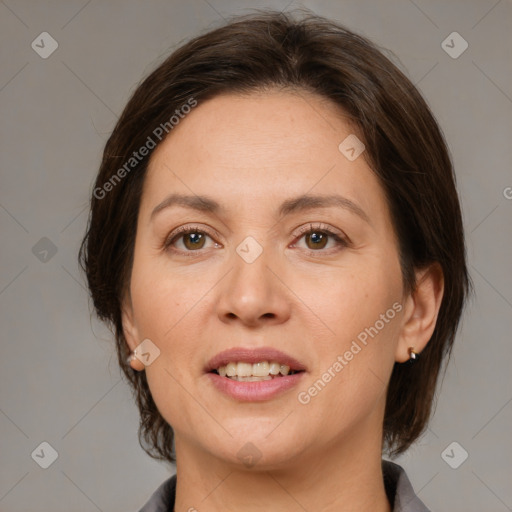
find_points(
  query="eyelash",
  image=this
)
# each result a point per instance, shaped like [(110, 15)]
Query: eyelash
[(319, 228)]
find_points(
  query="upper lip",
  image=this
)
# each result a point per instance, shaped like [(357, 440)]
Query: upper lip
[(253, 355)]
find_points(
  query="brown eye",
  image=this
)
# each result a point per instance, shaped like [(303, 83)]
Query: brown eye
[(187, 240), (194, 240), (318, 239)]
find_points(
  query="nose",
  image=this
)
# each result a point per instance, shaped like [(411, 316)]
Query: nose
[(254, 293)]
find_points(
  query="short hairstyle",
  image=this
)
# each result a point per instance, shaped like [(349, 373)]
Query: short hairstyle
[(405, 149)]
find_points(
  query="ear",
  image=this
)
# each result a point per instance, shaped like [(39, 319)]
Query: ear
[(130, 331), (420, 312)]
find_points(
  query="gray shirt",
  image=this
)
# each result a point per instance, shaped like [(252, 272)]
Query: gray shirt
[(398, 489)]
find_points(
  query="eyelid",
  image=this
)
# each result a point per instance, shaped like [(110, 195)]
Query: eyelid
[(320, 226)]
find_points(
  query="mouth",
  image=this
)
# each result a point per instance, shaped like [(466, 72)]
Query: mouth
[(261, 363), (254, 374)]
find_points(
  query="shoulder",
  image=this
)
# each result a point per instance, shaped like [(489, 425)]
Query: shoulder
[(399, 489), (162, 500)]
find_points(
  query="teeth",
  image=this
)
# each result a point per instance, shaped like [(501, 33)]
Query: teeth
[(231, 369), (274, 368), (253, 372), (244, 369), (251, 379), (260, 369)]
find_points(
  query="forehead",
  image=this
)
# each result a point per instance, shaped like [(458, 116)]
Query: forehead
[(265, 127), (260, 146)]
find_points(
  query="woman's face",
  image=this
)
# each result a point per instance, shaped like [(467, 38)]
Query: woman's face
[(250, 276)]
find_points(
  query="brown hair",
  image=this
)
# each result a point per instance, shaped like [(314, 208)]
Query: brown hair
[(404, 147)]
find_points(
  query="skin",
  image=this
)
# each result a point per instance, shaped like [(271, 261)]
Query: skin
[(309, 299)]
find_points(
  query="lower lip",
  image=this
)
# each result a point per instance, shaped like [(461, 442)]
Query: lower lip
[(254, 391)]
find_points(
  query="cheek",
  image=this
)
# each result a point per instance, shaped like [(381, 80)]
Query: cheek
[(166, 307), (359, 321), (162, 309), (163, 297), (346, 301)]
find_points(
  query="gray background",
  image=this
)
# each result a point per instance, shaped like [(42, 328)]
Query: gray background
[(59, 377)]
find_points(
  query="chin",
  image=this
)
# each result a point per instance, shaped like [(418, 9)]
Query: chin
[(257, 452)]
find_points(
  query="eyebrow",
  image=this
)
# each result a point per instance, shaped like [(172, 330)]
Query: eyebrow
[(293, 205)]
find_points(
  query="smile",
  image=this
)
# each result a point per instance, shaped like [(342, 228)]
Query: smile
[(254, 372)]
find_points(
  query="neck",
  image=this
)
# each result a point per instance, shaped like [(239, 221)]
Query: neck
[(342, 476)]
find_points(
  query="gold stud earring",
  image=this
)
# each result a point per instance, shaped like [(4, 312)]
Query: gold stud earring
[(412, 354)]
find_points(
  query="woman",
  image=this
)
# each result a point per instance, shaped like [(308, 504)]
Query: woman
[(276, 238)]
